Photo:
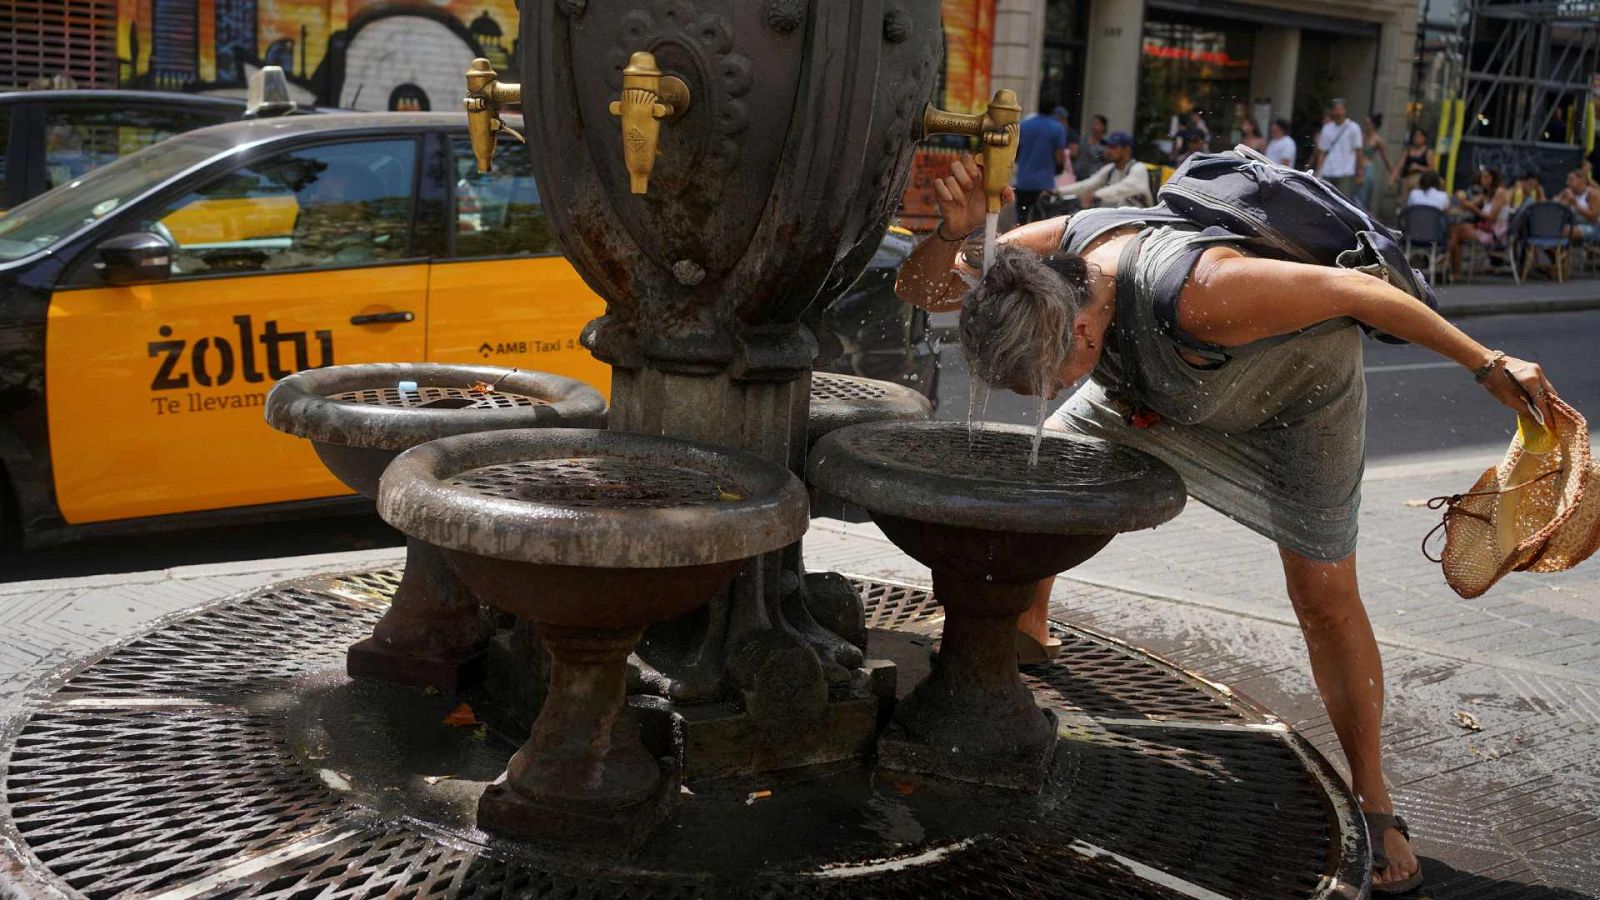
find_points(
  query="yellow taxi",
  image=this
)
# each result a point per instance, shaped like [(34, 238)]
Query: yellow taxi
[(147, 307)]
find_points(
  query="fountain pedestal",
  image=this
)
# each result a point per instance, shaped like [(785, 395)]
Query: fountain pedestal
[(359, 421), (991, 527), (590, 537)]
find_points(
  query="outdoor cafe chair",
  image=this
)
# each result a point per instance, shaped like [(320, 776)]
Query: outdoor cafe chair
[(1544, 227), (1426, 228)]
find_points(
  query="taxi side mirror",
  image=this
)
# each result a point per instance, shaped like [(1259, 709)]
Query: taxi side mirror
[(137, 258)]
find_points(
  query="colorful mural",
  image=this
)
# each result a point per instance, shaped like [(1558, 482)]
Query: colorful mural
[(357, 54), (394, 54)]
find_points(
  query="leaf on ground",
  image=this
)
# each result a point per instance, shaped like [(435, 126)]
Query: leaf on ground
[(462, 717), (1467, 720), (728, 496)]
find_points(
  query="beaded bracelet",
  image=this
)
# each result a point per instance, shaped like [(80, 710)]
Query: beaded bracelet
[(1483, 371)]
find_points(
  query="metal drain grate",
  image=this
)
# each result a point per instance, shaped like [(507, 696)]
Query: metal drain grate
[(290, 632), (170, 765), (142, 800), (1204, 798), (595, 482), (424, 396), (899, 607), (827, 387)]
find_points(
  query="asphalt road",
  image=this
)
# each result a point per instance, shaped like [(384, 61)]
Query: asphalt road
[(1419, 405)]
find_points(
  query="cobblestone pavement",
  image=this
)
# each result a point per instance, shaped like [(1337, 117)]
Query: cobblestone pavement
[(1504, 812)]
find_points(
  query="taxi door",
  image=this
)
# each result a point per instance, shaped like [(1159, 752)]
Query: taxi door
[(504, 295), (156, 391)]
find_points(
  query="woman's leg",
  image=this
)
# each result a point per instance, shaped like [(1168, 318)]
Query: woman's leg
[(1460, 233), (1349, 676)]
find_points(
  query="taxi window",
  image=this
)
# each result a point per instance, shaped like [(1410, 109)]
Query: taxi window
[(81, 138), (499, 214), (339, 205)]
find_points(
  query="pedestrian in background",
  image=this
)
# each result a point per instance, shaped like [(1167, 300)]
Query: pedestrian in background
[(1417, 159), (1375, 162), (1041, 153), (1250, 136), (1490, 207), (1429, 192), (1091, 148), (1282, 148), (1122, 181), (1339, 151), (1073, 149), (1583, 198)]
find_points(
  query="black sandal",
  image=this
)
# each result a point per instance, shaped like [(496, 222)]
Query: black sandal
[(1377, 824)]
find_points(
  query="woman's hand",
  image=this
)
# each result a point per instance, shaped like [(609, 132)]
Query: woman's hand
[(962, 202), (1526, 382)]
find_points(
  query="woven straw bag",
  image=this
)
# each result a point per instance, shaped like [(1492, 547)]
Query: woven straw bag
[(1537, 511)]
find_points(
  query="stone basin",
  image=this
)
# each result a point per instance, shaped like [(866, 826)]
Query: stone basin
[(839, 401), (359, 421), (589, 536), (990, 526)]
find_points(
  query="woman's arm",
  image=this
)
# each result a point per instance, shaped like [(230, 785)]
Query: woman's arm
[(928, 277), (1232, 300)]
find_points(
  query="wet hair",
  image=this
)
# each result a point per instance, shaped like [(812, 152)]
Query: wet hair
[(1016, 323), (1377, 121), (1430, 180)]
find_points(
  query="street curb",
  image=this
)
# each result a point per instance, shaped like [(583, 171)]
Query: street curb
[(1516, 307), (291, 566)]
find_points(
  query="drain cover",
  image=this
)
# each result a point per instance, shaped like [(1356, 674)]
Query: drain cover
[(225, 754)]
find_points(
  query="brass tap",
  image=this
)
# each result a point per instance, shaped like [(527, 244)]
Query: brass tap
[(997, 128), (648, 96), (486, 96)]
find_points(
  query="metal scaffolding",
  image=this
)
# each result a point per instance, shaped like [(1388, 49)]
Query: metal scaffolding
[(1530, 65)]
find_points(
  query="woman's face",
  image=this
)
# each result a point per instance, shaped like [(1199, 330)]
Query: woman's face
[(1418, 139), (1087, 330)]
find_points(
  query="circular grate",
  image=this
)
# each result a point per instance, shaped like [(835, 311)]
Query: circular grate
[(1002, 456), (438, 398), (202, 759), (597, 482), (826, 387)]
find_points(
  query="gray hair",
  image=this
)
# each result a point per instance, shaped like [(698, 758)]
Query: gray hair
[(1016, 323)]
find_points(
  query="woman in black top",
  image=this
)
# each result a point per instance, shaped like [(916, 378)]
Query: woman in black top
[(1418, 158)]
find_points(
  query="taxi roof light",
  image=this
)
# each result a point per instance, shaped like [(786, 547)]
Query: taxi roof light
[(269, 94)]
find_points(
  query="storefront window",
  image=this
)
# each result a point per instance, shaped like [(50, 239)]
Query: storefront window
[(1187, 69)]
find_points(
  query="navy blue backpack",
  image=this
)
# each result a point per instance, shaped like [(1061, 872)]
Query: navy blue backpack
[(1285, 214)]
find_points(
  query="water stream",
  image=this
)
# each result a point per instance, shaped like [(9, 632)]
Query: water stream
[(991, 237)]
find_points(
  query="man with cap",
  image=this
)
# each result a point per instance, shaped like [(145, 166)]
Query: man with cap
[(1122, 181), (1041, 153)]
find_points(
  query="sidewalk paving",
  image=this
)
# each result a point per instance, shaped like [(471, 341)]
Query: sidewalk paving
[(1505, 812)]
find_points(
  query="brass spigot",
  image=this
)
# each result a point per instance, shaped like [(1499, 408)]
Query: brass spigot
[(998, 129), (486, 96), (648, 96)]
